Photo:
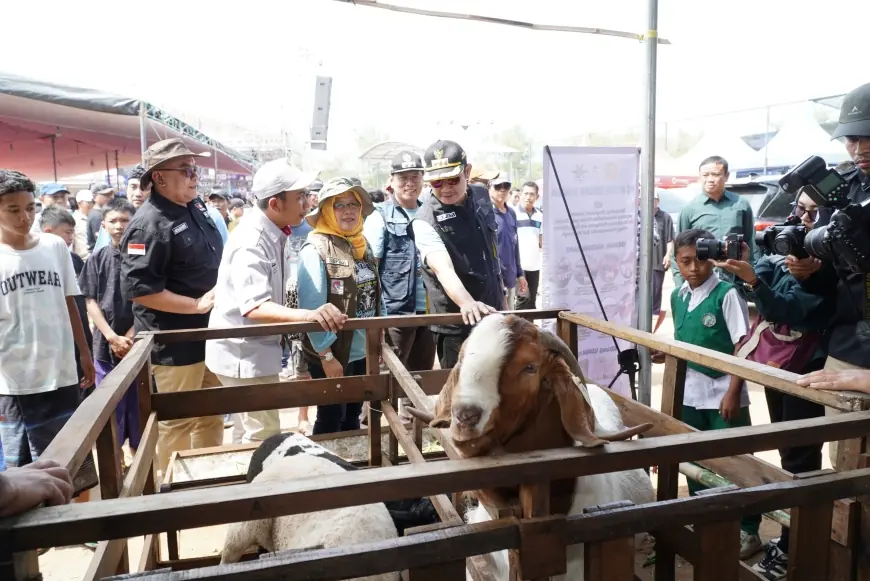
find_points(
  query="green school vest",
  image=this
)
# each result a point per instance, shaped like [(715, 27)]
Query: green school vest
[(705, 326)]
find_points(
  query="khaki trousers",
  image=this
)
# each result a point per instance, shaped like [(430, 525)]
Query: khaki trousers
[(189, 433), (832, 364), (257, 425)]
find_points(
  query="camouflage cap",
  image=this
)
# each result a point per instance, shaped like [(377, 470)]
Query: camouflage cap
[(164, 151), (336, 187)]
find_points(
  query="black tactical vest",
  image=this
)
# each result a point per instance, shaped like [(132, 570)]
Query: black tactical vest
[(469, 234)]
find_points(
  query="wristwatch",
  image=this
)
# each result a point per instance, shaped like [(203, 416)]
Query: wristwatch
[(328, 357), (751, 287)]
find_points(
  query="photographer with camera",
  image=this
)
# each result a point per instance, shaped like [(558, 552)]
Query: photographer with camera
[(788, 335), (844, 245)]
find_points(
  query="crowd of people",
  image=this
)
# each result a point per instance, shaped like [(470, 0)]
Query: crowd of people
[(164, 257), (306, 251)]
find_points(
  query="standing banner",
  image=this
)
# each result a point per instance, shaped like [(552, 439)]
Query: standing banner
[(601, 188)]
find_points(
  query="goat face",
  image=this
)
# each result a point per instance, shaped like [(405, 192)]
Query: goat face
[(516, 388)]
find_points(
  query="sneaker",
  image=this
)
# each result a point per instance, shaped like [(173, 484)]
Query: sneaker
[(773, 566), (228, 421), (749, 545)]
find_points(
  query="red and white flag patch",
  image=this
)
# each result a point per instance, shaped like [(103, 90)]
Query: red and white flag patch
[(136, 249)]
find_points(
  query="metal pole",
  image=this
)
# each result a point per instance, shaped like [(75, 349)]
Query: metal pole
[(766, 135), (143, 145), (53, 157), (648, 178), (117, 173), (108, 175)]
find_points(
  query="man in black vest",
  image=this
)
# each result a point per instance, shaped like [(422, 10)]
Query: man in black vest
[(399, 265), (455, 232)]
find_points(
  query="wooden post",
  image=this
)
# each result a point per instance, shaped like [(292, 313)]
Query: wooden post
[(109, 465), (448, 571), (24, 566), (373, 352), (392, 440), (610, 560), (535, 502), (720, 549), (417, 424), (861, 553), (809, 538), (673, 385), (567, 332)]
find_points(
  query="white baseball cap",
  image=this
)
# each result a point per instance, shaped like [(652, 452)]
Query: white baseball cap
[(279, 175), (84, 196)]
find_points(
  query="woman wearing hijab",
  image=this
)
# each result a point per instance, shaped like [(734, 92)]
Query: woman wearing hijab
[(337, 266)]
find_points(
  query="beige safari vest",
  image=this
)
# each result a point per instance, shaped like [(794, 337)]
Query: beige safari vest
[(337, 256)]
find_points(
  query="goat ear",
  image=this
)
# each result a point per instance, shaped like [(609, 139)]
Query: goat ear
[(578, 419), (444, 405)]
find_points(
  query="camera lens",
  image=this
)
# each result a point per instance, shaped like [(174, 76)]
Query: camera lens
[(710, 249), (815, 242)]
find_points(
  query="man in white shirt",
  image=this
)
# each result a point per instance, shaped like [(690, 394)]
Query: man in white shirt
[(530, 234), (250, 290)]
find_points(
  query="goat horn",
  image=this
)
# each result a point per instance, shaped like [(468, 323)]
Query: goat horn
[(554, 343), (421, 415), (626, 433)]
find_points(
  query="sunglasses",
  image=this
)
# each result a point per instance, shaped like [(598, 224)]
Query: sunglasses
[(503, 188), (189, 172), (438, 184)]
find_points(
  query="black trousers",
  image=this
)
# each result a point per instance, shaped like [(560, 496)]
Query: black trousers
[(783, 408), (338, 417), (448, 347), (415, 346), (527, 303)]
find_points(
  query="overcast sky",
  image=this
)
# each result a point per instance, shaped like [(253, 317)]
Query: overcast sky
[(253, 63)]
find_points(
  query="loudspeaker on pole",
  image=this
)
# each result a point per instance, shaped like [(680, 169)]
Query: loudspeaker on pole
[(320, 121)]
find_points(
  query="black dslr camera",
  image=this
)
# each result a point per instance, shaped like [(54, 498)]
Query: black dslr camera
[(729, 248), (846, 238), (784, 239)]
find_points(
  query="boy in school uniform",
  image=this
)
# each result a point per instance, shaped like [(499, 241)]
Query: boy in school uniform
[(100, 282), (710, 313), (39, 385)]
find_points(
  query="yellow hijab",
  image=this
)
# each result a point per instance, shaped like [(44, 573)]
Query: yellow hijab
[(327, 224)]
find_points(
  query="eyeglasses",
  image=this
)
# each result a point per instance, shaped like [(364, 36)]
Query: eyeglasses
[(438, 184), (408, 178), (799, 211), (349, 206), (189, 172)]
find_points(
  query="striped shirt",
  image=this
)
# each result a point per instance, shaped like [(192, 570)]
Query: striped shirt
[(529, 229)]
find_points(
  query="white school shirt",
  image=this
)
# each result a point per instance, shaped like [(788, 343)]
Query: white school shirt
[(37, 350), (529, 229), (703, 392)]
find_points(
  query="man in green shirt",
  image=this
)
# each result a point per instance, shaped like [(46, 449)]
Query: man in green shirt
[(718, 211)]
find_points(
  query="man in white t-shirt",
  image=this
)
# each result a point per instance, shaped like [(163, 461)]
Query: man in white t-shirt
[(39, 385), (530, 233)]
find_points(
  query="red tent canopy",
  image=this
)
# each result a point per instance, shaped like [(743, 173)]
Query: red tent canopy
[(45, 127)]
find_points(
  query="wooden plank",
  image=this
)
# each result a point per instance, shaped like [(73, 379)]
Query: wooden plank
[(20, 566), (148, 557), (542, 551), (75, 440), (861, 555), (270, 329), (195, 508), (447, 571), (109, 461), (610, 560), (622, 522), (109, 554), (673, 387), (681, 541), (392, 440), (373, 558), (808, 541), (720, 547), (373, 348), (145, 389), (777, 379), (267, 396)]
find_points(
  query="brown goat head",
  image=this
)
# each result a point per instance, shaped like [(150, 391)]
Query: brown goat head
[(513, 389)]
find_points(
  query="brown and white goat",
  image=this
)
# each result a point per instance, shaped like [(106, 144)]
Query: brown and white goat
[(517, 389)]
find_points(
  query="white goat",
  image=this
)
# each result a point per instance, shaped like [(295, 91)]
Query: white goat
[(517, 389), (329, 528)]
